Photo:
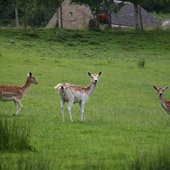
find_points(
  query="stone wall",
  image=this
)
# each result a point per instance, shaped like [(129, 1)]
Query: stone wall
[(75, 16)]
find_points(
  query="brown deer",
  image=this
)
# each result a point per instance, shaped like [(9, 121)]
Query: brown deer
[(164, 103), (16, 93), (76, 94)]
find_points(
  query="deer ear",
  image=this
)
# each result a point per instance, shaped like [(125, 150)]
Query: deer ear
[(155, 87), (100, 73), (89, 74), (30, 74), (166, 88)]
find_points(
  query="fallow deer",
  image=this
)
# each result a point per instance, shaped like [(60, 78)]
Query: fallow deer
[(164, 103), (16, 93), (76, 94)]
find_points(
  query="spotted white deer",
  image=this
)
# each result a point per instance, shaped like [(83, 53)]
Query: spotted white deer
[(76, 94), (164, 103), (16, 93)]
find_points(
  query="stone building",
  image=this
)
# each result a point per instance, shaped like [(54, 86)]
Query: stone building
[(74, 16), (78, 16)]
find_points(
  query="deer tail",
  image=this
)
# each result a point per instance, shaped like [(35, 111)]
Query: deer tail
[(58, 86)]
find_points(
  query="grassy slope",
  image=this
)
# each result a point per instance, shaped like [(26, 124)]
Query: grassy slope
[(122, 116)]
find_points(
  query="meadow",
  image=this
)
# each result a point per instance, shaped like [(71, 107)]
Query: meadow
[(125, 126)]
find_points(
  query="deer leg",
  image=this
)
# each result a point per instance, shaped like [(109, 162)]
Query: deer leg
[(82, 111), (19, 102), (70, 103), (16, 107), (62, 108)]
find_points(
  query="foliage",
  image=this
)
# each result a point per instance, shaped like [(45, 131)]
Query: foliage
[(161, 17), (50, 3), (158, 6), (40, 17), (6, 12), (37, 15)]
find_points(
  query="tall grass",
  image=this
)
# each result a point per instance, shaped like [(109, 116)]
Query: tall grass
[(159, 160), (31, 162), (14, 136)]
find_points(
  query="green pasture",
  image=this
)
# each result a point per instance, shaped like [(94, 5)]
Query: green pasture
[(125, 126)]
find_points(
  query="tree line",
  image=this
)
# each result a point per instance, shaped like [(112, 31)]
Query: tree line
[(36, 13)]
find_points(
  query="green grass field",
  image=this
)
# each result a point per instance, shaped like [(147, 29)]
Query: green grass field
[(125, 126)]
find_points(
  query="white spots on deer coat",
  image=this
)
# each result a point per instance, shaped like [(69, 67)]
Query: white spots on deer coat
[(76, 94), (16, 93)]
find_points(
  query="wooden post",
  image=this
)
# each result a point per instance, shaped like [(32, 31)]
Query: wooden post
[(141, 22), (136, 16), (61, 17), (25, 20)]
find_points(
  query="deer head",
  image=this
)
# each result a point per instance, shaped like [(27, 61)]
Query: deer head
[(160, 90), (94, 77), (32, 78)]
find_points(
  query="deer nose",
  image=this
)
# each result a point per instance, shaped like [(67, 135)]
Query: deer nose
[(160, 94), (95, 81)]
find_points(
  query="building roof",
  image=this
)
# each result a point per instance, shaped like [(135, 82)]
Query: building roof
[(126, 17)]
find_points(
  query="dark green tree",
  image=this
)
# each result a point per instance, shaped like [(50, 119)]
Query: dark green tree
[(6, 12), (15, 2), (159, 6), (25, 4), (53, 3)]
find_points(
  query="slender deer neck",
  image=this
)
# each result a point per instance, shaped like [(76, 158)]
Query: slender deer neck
[(162, 101), (91, 88), (27, 85)]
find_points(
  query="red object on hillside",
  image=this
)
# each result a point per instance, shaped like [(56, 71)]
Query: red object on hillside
[(102, 18)]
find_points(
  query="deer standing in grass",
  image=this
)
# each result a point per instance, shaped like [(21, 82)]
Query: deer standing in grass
[(16, 93), (164, 103), (76, 94)]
